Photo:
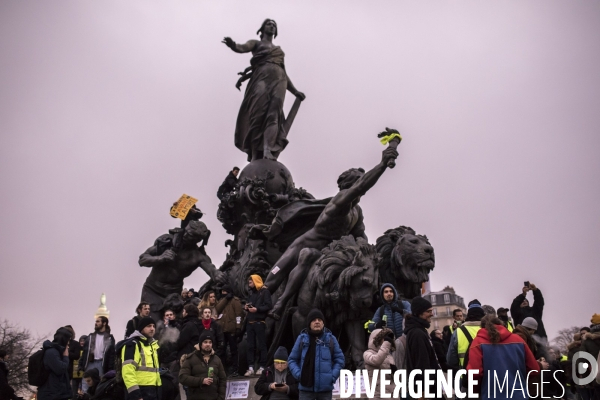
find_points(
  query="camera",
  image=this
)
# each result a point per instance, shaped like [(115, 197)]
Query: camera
[(526, 283)]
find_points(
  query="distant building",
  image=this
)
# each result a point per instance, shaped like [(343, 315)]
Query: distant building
[(102, 311), (444, 302)]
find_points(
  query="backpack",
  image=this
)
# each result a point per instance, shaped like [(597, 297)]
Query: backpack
[(119, 361), (331, 346), (37, 374)]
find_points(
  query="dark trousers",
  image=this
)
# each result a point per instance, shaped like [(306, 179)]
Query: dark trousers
[(75, 384), (231, 341), (256, 337)]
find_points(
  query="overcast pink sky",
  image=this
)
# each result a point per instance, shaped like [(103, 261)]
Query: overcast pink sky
[(110, 110)]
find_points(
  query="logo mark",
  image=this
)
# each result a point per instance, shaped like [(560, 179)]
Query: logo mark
[(583, 367)]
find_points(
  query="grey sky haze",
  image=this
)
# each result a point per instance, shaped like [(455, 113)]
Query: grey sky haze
[(110, 110)]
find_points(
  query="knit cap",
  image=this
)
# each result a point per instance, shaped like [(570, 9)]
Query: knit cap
[(595, 319), (419, 305), (144, 322), (530, 323), (314, 314), (281, 354)]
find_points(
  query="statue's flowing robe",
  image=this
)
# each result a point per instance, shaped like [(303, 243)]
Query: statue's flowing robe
[(262, 107)]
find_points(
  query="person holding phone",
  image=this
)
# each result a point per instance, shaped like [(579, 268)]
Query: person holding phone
[(276, 382), (520, 308)]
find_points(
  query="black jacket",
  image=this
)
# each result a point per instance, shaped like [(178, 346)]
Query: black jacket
[(440, 349), (419, 349), (58, 385), (6, 392), (535, 311), (267, 377), (108, 359), (74, 354), (227, 185), (132, 325), (190, 333), (260, 299)]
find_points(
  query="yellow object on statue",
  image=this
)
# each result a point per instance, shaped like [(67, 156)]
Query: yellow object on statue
[(386, 139)]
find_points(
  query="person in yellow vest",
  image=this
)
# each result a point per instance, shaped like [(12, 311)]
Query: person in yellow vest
[(464, 335), (140, 365), (503, 315), (459, 318), (77, 375)]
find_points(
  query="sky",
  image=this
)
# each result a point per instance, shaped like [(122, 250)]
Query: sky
[(110, 110)]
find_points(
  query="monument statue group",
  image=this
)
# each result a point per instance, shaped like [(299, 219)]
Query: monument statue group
[(311, 253)]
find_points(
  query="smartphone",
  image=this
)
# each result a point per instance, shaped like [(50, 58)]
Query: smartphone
[(279, 385), (526, 283)]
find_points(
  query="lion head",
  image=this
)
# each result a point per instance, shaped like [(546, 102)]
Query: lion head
[(406, 260)]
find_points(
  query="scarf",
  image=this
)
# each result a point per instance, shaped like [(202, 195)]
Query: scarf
[(307, 377), (206, 323)]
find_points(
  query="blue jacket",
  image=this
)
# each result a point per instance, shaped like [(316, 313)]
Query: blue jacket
[(58, 385), (329, 360), (394, 319)]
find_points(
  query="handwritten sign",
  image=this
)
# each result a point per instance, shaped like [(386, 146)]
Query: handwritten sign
[(237, 390), (182, 206)]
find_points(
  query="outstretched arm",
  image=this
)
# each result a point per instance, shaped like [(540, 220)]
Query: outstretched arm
[(240, 48), (367, 181)]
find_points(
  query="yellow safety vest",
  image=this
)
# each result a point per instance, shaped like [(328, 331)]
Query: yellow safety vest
[(509, 326), (142, 369), (463, 342), (76, 373)]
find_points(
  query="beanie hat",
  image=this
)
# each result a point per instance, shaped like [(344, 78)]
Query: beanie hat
[(206, 335), (258, 282), (144, 322), (419, 305), (530, 323), (281, 354), (595, 319), (475, 311), (314, 314), (474, 303)]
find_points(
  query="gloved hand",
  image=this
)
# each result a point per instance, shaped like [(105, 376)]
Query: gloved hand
[(380, 325), (389, 337), (396, 308), (229, 296)]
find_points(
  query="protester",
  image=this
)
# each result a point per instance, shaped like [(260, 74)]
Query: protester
[(6, 391), (229, 183), (440, 348), (463, 336), (230, 314), (202, 371), (257, 306), (276, 382), (142, 310), (56, 363), (503, 316), (99, 350), (75, 350), (167, 334), (77, 374), (505, 354), (190, 330), (378, 356), (421, 354), (140, 365), (209, 300), (92, 379), (525, 331), (520, 309), (393, 308), (210, 324), (316, 359), (459, 318)]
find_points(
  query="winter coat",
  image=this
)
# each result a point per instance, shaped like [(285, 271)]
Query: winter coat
[(394, 318), (420, 352), (58, 386), (509, 356), (379, 356), (591, 344), (193, 371), (188, 337), (329, 360), (108, 359), (227, 185), (268, 376), (535, 311), (261, 299), (74, 354), (231, 314), (132, 326), (452, 358), (440, 352), (6, 392), (400, 353), (217, 331)]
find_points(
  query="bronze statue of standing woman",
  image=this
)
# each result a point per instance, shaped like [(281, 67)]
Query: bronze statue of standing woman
[(261, 128)]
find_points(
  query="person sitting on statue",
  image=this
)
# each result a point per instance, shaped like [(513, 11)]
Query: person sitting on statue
[(341, 216), (170, 263), (229, 183)]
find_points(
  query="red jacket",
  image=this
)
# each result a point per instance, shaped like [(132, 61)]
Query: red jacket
[(510, 357)]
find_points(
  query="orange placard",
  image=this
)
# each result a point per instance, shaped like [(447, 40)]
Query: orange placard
[(182, 206)]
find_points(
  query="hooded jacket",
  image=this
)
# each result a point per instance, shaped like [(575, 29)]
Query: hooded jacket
[(394, 318), (193, 371), (58, 386), (329, 360), (535, 311), (231, 314), (260, 297), (510, 356), (140, 368), (379, 356), (191, 327)]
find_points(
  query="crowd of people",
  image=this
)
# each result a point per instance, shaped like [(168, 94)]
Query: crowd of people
[(198, 351)]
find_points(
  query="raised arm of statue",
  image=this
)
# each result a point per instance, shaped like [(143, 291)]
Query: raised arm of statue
[(365, 182), (150, 259), (212, 271), (240, 48)]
